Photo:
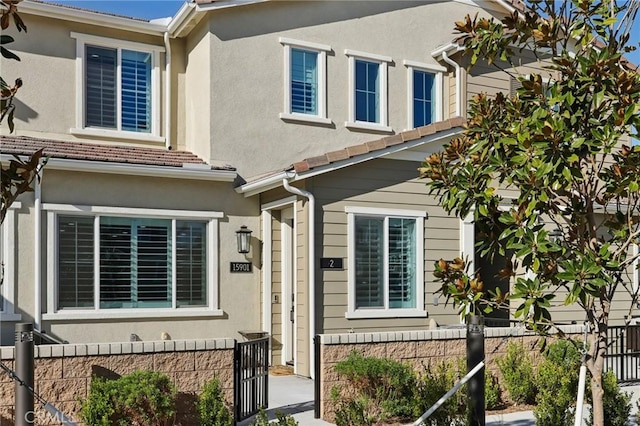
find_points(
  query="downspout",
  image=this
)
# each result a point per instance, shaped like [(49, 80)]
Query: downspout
[(167, 88), (448, 60), (37, 267), (311, 266)]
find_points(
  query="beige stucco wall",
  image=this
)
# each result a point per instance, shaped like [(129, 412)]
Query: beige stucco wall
[(46, 104), (247, 72), (238, 293)]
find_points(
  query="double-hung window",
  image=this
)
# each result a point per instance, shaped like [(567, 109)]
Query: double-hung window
[(424, 84), (105, 261), (386, 269), (118, 91), (305, 66), (368, 91)]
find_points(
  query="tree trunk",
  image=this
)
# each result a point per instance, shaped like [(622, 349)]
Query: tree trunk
[(597, 350)]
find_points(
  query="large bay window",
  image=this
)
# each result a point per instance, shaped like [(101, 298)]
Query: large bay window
[(111, 259), (386, 270)]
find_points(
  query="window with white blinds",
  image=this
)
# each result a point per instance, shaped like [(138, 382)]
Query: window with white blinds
[(386, 262), (140, 262), (304, 81), (118, 88), (110, 71)]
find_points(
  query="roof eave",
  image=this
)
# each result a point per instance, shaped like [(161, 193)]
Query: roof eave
[(92, 18), (170, 172)]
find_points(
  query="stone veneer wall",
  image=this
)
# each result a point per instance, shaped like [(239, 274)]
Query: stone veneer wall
[(63, 372), (417, 348)]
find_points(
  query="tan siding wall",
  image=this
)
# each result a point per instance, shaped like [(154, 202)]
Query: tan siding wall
[(378, 183)]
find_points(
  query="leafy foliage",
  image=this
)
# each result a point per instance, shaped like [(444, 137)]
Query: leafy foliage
[(140, 398), (492, 392), (9, 9), (557, 383), (212, 410), (560, 146), (385, 390), (282, 419), (516, 367), (17, 178)]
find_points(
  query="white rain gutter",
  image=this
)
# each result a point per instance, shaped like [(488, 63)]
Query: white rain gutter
[(444, 52), (37, 267), (311, 272), (167, 88)]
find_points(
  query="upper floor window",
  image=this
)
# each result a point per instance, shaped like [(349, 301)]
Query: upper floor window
[(118, 88), (368, 91), (305, 81), (385, 262), (424, 93), (105, 261)]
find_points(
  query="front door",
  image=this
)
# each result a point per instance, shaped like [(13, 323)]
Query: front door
[(288, 287)]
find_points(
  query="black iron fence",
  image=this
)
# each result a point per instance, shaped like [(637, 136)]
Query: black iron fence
[(623, 352), (251, 375)]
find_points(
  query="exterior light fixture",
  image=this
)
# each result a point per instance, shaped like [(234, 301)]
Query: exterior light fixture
[(244, 239)]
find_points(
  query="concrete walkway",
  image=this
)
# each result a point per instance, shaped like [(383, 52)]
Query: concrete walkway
[(294, 395)]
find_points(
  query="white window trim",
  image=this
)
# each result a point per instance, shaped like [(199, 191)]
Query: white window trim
[(212, 285), (321, 50), (9, 261), (81, 41), (434, 69), (419, 310), (383, 61)]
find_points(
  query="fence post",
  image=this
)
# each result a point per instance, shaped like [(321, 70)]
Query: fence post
[(475, 355), (24, 370), (316, 377)]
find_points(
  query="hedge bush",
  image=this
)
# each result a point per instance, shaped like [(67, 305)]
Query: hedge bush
[(142, 398), (516, 368), (211, 408)]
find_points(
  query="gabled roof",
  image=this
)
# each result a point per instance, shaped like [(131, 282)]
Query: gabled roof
[(355, 154)]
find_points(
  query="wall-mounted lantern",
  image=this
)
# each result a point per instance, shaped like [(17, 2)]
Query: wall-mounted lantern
[(244, 239)]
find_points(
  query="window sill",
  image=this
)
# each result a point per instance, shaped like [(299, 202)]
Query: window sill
[(107, 314), (116, 134), (303, 118), (361, 125), (10, 316), (387, 313)]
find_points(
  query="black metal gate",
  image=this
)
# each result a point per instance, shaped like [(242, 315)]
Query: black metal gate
[(251, 375), (623, 352)]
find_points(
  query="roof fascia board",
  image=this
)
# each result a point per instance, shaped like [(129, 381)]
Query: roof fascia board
[(265, 184), (136, 170), (92, 18), (223, 4), (186, 13)]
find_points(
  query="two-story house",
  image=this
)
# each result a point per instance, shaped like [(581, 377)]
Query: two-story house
[(303, 121)]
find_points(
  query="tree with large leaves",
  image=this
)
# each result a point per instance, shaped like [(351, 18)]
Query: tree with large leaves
[(561, 147), (18, 174)]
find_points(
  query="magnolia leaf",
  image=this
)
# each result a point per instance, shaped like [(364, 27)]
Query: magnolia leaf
[(8, 54)]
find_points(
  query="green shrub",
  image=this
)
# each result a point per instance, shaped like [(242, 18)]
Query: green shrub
[(353, 412), (140, 398), (557, 382), (433, 383), (212, 410), (616, 403), (380, 388), (492, 392), (281, 419), (516, 368)]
